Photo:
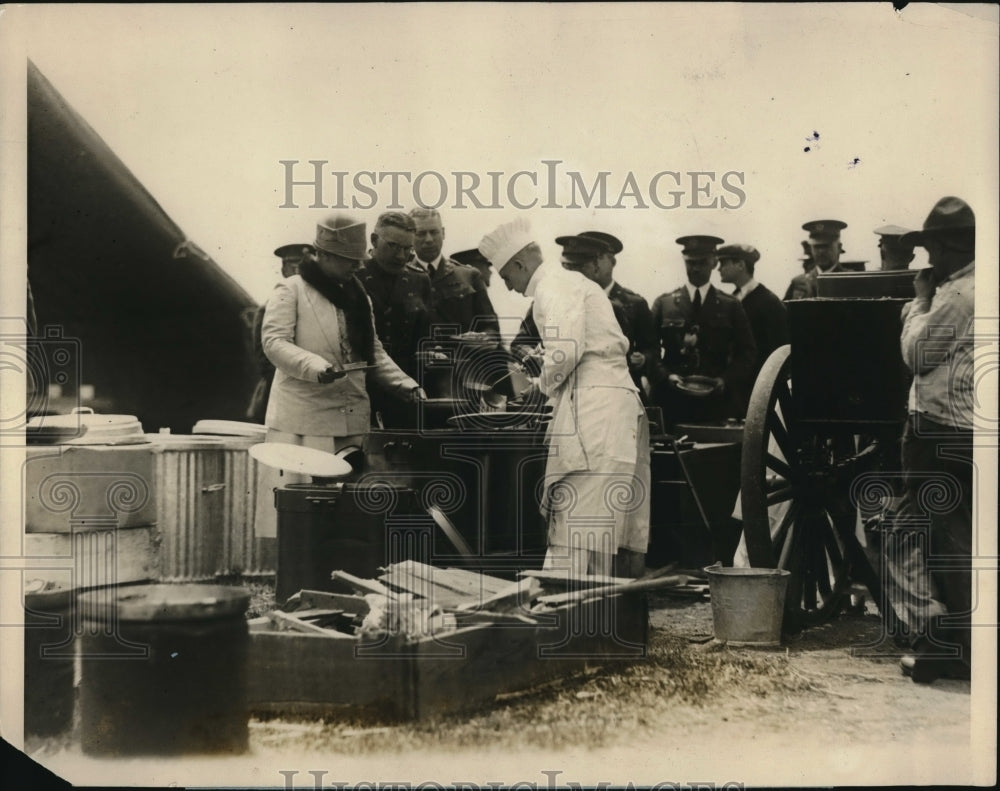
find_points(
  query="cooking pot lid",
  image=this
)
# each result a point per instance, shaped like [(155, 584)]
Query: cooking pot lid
[(229, 428), (99, 429), (298, 459), (166, 602)]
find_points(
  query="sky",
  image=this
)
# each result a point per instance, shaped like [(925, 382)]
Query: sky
[(203, 103)]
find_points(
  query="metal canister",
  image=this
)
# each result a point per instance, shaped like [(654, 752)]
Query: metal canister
[(48, 661), (164, 670)]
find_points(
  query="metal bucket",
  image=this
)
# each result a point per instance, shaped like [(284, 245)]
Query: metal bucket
[(747, 604), (164, 670)]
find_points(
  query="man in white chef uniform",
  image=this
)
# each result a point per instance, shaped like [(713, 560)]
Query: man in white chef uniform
[(596, 488)]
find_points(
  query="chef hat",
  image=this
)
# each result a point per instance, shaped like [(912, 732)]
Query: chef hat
[(506, 241)]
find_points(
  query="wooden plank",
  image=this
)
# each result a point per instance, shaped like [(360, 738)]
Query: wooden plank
[(297, 672), (517, 596), (339, 601), (562, 579), (289, 621), (365, 586), (426, 588), (673, 581), (458, 580)]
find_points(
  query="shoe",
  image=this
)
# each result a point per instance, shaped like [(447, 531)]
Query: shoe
[(927, 670)]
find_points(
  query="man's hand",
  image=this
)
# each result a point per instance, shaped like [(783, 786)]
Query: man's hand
[(417, 394), (331, 374), (674, 381), (720, 385), (637, 359), (925, 284)]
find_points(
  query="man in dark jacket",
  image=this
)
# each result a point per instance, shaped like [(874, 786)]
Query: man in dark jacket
[(458, 293), (825, 249), (400, 292), (593, 253), (702, 332), (767, 314)]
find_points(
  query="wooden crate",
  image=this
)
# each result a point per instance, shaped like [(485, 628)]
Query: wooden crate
[(340, 676)]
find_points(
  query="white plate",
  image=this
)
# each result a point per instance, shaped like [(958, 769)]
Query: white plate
[(298, 459)]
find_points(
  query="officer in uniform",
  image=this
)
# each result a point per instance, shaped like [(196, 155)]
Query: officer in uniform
[(477, 261), (459, 299), (400, 292), (704, 332), (825, 249), (894, 252), (593, 253), (291, 256)]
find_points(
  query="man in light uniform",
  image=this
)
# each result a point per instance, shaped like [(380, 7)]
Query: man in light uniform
[(596, 493)]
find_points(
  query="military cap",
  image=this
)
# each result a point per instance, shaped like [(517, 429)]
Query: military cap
[(293, 250), (343, 236), (892, 230), (824, 230), (585, 245), (949, 216), (471, 258), (741, 252), (698, 246), (614, 244)]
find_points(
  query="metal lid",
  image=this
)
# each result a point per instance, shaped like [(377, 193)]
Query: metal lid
[(299, 459), (165, 602), (230, 428), (99, 429)]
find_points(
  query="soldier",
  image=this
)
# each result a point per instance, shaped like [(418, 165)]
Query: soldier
[(291, 256), (767, 314), (458, 293), (401, 296), (895, 253), (476, 260), (593, 254), (825, 249), (702, 332)]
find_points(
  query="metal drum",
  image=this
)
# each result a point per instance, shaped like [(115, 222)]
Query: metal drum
[(191, 497), (164, 670), (48, 661), (345, 527)]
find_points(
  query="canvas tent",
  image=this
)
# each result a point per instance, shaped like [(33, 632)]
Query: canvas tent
[(161, 328)]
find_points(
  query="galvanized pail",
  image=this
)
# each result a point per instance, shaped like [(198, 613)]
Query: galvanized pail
[(747, 604)]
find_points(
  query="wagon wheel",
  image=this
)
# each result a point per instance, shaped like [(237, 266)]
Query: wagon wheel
[(797, 511)]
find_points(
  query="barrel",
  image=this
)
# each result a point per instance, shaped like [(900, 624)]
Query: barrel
[(48, 662), (343, 527), (164, 670)]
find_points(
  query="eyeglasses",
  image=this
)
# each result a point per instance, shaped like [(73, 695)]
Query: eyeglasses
[(399, 248)]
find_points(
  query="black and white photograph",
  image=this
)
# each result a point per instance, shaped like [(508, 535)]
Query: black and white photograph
[(499, 395)]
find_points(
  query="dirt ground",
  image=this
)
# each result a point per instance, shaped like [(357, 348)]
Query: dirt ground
[(829, 707)]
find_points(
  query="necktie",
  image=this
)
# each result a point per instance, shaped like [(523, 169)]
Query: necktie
[(697, 301)]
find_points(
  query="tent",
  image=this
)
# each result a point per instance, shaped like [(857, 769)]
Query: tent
[(158, 328)]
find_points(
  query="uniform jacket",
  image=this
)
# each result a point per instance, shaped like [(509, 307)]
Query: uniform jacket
[(302, 334), (636, 321), (402, 305), (768, 322), (459, 298), (724, 347)]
